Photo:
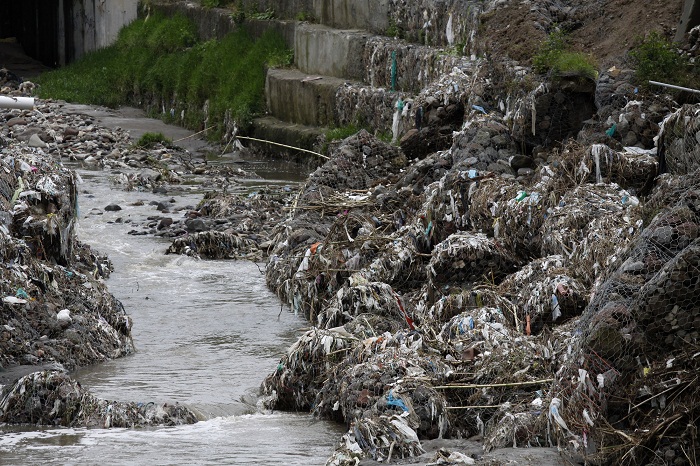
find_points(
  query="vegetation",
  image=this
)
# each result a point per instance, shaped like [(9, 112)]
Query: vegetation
[(159, 63), (342, 132), (149, 140), (306, 16), (555, 58), (657, 59)]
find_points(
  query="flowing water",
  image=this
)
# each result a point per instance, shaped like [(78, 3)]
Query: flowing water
[(206, 334)]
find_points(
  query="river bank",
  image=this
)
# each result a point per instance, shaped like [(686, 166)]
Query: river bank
[(213, 369)]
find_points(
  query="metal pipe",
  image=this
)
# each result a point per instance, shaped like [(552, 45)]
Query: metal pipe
[(678, 88), (21, 103)]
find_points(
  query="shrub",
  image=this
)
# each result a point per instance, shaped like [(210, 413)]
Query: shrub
[(657, 59), (553, 57), (148, 140)]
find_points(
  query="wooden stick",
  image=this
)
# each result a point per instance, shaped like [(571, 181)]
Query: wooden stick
[(514, 384), (192, 135), (284, 145)]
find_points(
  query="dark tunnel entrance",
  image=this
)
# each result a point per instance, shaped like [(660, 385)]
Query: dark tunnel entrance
[(34, 24)]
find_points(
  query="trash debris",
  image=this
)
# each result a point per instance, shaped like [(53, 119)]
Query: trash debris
[(52, 398)]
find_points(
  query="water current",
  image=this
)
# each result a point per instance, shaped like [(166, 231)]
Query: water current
[(206, 334)]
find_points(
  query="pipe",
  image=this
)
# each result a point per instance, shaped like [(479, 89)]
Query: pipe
[(671, 86), (21, 103)]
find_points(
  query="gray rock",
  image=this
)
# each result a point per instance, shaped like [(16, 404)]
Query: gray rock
[(195, 225), (35, 141)]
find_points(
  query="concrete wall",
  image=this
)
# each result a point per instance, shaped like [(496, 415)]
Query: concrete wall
[(371, 15), (690, 17), (330, 52), (94, 24)]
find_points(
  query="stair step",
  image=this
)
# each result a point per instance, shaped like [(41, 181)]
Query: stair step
[(281, 132), (322, 50), (300, 98), (372, 15)]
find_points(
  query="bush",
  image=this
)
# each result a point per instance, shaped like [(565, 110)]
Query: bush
[(553, 57), (149, 140), (657, 59)]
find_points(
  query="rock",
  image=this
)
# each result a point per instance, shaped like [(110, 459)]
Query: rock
[(195, 225), (113, 208), (165, 223), (35, 141), (17, 121), (521, 161)]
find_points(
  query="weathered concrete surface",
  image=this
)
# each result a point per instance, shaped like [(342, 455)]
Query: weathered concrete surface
[(95, 24), (272, 129), (322, 50), (430, 22), (215, 23), (296, 97), (689, 18), (372, 15)]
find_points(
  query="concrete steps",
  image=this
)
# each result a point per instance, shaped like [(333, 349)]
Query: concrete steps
[(281, 132), (323, 50), (303, 99), (347, 71), (370, 15)]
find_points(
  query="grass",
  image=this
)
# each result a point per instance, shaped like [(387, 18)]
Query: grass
[(342, 132), (160, 64), (149, 140), (555, 58)]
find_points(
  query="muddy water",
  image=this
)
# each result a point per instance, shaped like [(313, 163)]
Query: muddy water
[(206, 333)]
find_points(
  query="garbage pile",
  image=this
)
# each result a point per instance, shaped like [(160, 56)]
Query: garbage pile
[(70, 135), (638, 345), (436, 112), (55, 306), (320, 243), (228, 226), (52, 398), (518, 300), (679, 141)]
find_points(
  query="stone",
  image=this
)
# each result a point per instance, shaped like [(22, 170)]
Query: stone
[(195, 225), (35, 141), (113, 208), (17, 121), (165, 223), (521, 161)]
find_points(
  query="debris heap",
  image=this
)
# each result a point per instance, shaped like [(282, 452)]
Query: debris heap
[(533, 301)]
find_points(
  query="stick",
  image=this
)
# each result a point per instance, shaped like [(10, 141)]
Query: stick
[(514, 384), (193, 135), (284, 145)]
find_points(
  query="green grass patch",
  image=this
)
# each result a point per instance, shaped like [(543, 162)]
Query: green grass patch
[(555, 58), (340, 133), (149, 140), (160, 64)]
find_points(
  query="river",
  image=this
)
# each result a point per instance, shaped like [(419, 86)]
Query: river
[(206, 334)]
